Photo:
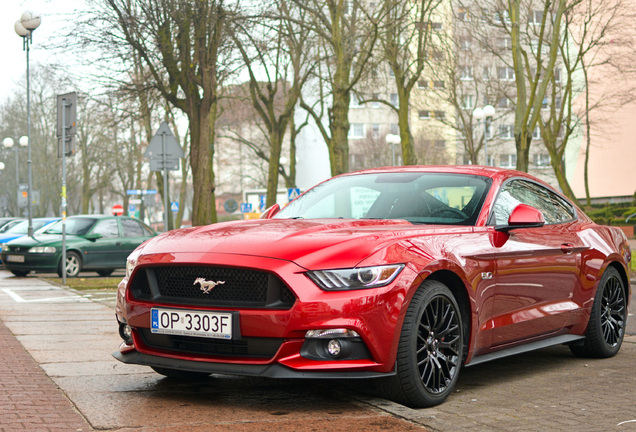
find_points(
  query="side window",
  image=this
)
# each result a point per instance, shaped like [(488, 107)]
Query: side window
[(554, 208), (107, 228), (132, 228)]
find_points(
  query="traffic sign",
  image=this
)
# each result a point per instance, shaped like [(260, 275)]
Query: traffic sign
[(292, 194), (263, 202), (164, 150), (246, 207), (174, 206), (118, 210), (131, 208)]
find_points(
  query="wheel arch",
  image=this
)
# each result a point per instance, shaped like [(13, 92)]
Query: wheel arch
[(624, 277), (458, 288)]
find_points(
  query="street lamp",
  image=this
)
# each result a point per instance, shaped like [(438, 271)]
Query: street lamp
[(8, 144), (486, 113), (24, 27), (392, 140)]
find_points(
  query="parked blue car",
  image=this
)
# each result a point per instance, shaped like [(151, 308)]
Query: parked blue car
[(22, 228)]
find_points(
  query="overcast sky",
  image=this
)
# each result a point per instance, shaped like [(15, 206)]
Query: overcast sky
[(13, 57)]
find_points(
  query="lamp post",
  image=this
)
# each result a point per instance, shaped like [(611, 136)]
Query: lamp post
[(392, 140), (486, 113), (24, 27)]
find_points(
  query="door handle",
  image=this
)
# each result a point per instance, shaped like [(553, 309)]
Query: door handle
[(567, 248)]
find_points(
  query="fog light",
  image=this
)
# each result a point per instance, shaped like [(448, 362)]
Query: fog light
[(334, 347), (125, 331)]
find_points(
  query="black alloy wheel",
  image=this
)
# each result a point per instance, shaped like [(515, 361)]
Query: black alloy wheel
[(431, 349), (606, 329)]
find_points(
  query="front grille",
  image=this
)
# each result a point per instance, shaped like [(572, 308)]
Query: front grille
[(246, 347), (13, 248), (241, 288)]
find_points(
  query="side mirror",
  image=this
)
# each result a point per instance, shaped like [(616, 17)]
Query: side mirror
[(523, 216), (93, 237), (270, 212)]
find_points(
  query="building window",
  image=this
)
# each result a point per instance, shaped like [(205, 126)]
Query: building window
[(536, 16), (541, 160), (440, 115), (432, 25), (505, 73), (462, 14), (439, 84), (503, 102), (506, 132), (485, 73), (375, 103), (423, 84), (394, 99), (557, 75), (395, 130), (502, 16), (545, 103), (424, 114), (466, 73), (440, 144), (504, 43), (468, 101), (536, 133), (508, 160), (375, 130), (356, 130), (355, 101), (557, 102)]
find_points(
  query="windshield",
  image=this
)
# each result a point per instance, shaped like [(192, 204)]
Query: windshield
[(74, 226), (23, 226), (422, 198), (6, 227)]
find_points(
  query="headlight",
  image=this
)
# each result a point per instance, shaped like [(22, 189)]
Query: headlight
[(42, 249), (5, 247), (131, 263), (356, 278)]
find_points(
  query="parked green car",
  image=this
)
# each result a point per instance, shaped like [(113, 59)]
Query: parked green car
[(93, 243)]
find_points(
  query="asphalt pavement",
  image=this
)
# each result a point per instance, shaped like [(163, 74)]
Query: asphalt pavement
[(57, 374)]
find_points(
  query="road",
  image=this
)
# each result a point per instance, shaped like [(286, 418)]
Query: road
[(71, 335)]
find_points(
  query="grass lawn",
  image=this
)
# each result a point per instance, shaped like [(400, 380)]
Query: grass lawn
[(89, 283)]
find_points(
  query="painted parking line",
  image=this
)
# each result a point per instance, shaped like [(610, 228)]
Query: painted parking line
[(19, 299)]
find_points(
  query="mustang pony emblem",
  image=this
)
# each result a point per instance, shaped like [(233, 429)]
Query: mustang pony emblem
[(206, 285)]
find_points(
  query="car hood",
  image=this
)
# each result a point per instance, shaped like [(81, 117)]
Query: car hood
[(309, 243)]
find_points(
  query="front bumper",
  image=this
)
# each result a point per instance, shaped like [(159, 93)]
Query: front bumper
[(265, 371), (375, 314)]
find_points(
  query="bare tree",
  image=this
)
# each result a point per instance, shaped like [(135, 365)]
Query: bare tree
[(183, 47), (405, 37), (275, 51), (346, 33)]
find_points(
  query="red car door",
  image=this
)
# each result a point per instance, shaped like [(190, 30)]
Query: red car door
[(536, 273), (536, 269)]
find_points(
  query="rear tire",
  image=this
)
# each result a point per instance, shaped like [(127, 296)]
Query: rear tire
[(105, 273), (608, 318), (430, 351), (180, 374)]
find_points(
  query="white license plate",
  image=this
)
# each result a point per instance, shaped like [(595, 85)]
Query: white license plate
[(15, 258), (216, 325)]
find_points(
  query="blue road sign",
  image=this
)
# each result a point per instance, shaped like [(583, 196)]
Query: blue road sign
[(292, 194), (246, 207), (174, 206)]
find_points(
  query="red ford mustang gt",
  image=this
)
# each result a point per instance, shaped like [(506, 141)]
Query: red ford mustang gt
[(400, 274)]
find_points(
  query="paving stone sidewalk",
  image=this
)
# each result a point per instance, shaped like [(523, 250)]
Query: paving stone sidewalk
[(29, 400)]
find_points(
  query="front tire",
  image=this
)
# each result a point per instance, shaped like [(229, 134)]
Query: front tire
[(20, 273), (606, 329), (430, 350), (73, 265), (105, 273)]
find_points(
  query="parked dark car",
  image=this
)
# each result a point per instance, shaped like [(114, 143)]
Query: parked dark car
[(93, 242)]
